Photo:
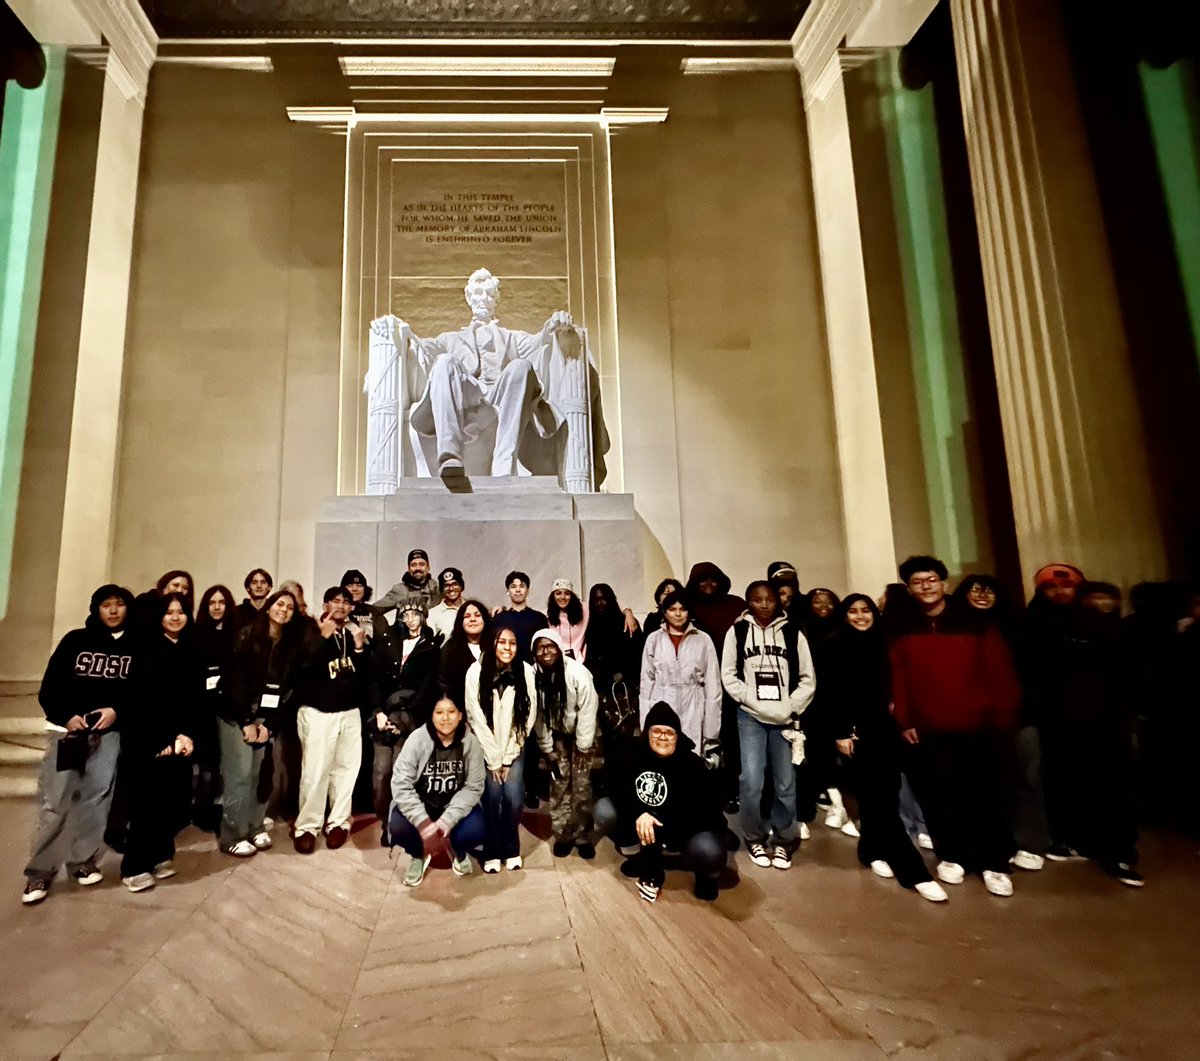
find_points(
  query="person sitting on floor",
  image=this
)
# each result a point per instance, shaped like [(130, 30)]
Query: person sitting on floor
[(436, 786), (662, 798)]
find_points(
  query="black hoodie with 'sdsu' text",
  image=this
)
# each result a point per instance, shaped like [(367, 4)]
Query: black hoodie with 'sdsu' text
[(92, 667)]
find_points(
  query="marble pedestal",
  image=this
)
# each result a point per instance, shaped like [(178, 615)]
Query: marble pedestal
[(491, 527)]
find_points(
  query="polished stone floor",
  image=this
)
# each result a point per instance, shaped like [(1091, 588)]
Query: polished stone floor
[(330, 956)]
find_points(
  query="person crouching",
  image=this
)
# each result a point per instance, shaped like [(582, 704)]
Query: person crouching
[(662, 796), (436, 786)]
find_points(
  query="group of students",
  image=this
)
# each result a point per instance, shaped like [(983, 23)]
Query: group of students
[(993, 738)]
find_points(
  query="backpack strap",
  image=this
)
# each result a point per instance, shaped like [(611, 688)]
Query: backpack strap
[(739, 634)]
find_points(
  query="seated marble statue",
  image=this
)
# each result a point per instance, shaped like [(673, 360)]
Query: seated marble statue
[(534, 390)]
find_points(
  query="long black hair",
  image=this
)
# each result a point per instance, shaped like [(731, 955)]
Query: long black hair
[(164, 605), (672, 584), (491, 680), (606, 625), (291, 632), (574, 609), (552, 689), (204, 620), (457, 633), (843, 610)]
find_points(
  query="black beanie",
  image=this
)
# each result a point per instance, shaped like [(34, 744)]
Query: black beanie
[(663, 714)]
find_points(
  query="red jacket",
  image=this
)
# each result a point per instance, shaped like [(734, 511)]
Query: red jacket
[(952, 676)]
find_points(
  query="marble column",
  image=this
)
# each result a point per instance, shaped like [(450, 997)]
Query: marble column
[(95, 413), (866, 508), (1073, 434)]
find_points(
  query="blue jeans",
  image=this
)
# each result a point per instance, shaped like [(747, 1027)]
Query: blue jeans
[(467, 835), (502, 806), (760, 740)]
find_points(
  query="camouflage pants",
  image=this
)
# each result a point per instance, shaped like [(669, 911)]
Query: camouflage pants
[(571, 792)]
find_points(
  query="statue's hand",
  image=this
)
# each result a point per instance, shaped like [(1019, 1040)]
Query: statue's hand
[(402, 326), (560, 320)]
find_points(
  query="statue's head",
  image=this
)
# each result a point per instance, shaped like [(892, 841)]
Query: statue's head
[(483, 294)]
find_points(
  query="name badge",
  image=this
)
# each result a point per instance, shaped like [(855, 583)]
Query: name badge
[(212, 681), (270, 698), (767, 687)]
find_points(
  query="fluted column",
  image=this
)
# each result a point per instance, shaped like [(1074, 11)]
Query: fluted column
[(1073, 434), (90, 494), (866, 508)]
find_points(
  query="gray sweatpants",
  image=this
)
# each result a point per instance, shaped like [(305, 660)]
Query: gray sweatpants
[(73, 808)]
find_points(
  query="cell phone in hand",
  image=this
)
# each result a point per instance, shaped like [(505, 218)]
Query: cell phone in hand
[(91, 719)]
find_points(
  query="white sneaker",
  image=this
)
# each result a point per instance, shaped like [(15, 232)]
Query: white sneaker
[(758, 855), (164, 870), (803, 831), (924, 841), (882, 869), (513, 863), (461, 866), (950, 872), (243, 849), (261, 841), (851, 830), (268, 822), (997, 883), (836, 818), (931, 890), (1027, 860), (139, 882), (492, 865)]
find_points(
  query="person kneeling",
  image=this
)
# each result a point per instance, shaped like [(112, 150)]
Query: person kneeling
[(664, 796), (436, 786)]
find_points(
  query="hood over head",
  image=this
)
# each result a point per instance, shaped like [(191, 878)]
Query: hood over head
[(549, 635), (663, 714), (704, 570)]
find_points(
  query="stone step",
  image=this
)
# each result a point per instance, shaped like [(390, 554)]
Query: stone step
[(23, 739)]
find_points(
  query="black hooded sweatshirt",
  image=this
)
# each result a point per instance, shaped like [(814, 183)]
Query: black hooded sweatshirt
[(677, 789), (92, 667), (714, 614)]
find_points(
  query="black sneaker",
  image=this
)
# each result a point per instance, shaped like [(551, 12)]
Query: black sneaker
[(86, 874), (1062, 853), (562, 848), (733, 806), (36, 889), (1126, 874), (587, 851), (705, 887)]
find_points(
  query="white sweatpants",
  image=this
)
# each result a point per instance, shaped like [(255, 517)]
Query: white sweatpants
[(331, 751)]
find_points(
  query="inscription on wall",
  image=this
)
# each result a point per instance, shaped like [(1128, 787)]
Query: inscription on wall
[(480, 218), (447, 218)]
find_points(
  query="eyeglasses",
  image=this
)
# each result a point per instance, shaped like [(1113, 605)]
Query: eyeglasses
[(930, 581)]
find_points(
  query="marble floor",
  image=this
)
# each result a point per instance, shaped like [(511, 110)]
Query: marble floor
[(330, 956)]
